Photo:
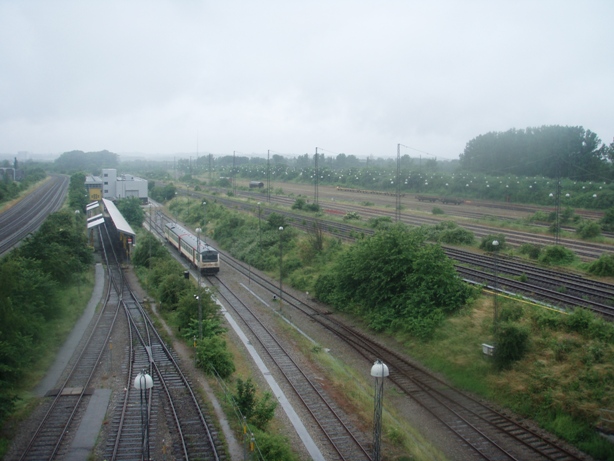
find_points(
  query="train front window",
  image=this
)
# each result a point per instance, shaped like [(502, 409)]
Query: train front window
[(209, 255)]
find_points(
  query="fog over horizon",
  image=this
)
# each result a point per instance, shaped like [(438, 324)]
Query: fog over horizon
[(163, 79)]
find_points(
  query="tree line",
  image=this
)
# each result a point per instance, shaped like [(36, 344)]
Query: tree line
[(33, 277), (552, 151)]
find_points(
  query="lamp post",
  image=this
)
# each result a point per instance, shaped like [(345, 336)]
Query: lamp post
[(204, 222), (281, 254), (495, 244), (187, 194), (200, 309), (143, 382), (259, 228), (379, 371)]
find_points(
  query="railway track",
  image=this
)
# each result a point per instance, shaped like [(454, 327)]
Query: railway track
[(564, 289), (63, 411), (343, 439), (28, 214), (482, 429), (171, 398), (585, 250), (557, 288), (488, 433)]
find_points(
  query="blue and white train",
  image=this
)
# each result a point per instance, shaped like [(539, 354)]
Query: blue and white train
[(206, 258)]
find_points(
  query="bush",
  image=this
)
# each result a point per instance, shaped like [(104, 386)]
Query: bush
[(487, 242), (512, 342), (380, 222), (458, 236), (603, 267), (351, 215), (588, 230), (580, 320), (539, 216), (273, 447), (437, 210), (511, 313), (325, 288), (299, 204), (213, 355), (257, 411), (607, 222), (449, 232), (532, 250), (556, 254), (398, 280)]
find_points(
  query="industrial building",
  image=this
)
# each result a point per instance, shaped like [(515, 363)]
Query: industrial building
[(115, 186)]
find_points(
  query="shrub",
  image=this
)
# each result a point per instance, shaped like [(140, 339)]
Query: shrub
[(547, 319), (512, 342), (273, 447), (325, 288), (397, 280), (487, 242), (603, 267), (588, 229), (556, 254), (351, 215), (437, 210), (380, 222), (458, 236), (539, 216), (580, 320), (212, 354), (257, 411), (607, 222), (511, 313), (532, 250), (315, 207)]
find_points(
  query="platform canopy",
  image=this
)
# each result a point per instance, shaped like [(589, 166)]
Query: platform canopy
[(91, 206), (95, 221), (120, 222)]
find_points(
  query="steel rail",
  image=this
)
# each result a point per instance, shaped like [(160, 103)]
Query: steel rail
[(296, 377)]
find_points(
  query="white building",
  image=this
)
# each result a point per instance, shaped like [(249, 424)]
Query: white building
[(113, 186)]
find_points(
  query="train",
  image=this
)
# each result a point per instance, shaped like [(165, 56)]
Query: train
[(421, 198), (206, 259), (430, 198), (364, 191)]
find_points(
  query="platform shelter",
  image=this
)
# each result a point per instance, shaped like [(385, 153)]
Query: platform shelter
[(123, 234)]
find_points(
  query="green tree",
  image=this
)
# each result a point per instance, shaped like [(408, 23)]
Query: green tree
[(187, 314), (213, 355), (607, 221), (257, 411), (487, 242), (60, 245), (77, 193), (148, 250), (171, 289), (299, 204), (512, 343), (94, 162), (603, 267), (588, 229), (398, 281), (553, 151), (131, 209)]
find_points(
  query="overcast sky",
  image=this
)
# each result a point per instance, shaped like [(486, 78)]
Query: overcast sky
[(358, 77)]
